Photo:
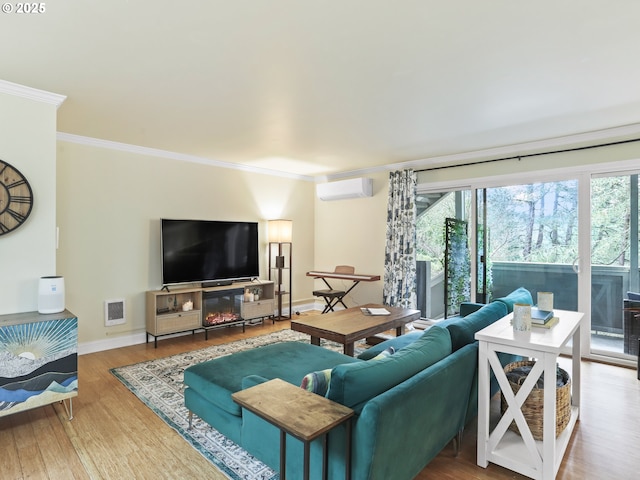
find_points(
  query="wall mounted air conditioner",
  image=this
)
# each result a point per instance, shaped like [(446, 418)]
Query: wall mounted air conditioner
[(341, 189)]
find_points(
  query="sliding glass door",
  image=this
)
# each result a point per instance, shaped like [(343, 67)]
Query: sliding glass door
[(614, 265), (575, 237), (532, 239)]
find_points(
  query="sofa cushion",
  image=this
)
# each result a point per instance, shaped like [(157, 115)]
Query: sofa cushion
[(519, 295), (354, 383), (217, 379), (394, 342), (467, 308), (463, 329)]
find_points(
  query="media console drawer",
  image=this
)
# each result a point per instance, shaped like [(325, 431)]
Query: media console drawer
[(261, 308), (172, 322)]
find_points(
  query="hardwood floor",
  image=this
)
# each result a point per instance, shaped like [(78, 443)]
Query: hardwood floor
[(114, 436)]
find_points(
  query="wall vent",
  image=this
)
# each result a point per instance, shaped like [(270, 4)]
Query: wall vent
[(114, 312)]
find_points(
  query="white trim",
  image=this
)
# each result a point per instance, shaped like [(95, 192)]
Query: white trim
[(569, 141), (139, 338), (551, 175), (610, 134), (583, 262), (155, 152), (31, 93), (117, 342)]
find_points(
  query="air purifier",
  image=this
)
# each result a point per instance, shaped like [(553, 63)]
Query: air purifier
[(51, 295)]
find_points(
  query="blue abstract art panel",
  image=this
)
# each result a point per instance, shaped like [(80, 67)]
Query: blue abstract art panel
[(38, 364)]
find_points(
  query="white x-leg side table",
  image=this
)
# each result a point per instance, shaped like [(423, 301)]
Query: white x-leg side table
[(521, 453)]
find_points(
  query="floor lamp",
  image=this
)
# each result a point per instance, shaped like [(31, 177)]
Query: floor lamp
[(280, 233)]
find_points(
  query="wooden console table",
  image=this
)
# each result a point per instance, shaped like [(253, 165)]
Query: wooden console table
[(535, 459), (304, 415), (38, 360)]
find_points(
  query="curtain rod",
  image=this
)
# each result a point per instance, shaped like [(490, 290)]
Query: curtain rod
[(527, 155)]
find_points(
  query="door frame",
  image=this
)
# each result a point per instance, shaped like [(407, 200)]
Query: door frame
[(583, 175)]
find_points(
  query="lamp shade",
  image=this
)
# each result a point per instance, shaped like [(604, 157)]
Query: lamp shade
[(280, 230)]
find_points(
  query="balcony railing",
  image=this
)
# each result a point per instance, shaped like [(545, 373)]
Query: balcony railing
[(608, 289)]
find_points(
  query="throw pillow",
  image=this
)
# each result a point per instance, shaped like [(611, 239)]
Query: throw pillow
[(317, 382), (384, 354)]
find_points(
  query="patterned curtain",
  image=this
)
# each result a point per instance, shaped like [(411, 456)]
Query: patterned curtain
[(400, 253)]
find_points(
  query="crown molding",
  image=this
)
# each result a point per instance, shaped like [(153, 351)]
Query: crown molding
[(31, 93), (586, 138), (155, 152)]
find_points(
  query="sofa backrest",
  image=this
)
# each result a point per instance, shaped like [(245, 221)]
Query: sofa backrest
[(354, 383), (401, 430), (463, 329), (519, 295)]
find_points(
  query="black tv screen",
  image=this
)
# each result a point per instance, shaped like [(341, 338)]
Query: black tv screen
[(208, 251)]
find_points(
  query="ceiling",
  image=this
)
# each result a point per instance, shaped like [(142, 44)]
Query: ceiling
[(319, 88)]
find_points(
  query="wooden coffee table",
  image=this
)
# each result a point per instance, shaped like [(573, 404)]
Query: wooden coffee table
[(350, 325)]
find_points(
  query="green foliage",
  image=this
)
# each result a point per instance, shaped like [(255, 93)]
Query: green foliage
[(610, 221), (457, 264), (430, 228), (539, 223), (533, 222)]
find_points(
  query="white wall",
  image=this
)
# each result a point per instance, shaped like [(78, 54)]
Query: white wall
[(352, 232), (109, 207), (28, 142)]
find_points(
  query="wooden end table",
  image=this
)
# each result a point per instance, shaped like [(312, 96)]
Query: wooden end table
[(303, 415)]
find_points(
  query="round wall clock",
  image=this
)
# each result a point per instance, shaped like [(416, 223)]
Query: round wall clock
[(16, 198)]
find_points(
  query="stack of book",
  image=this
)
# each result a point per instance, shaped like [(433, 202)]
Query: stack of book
[(542, 318)]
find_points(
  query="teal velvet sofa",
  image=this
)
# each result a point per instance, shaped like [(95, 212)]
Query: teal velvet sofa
[(408, 405)]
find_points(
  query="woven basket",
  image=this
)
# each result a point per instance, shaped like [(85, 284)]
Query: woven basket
[(533, 407)]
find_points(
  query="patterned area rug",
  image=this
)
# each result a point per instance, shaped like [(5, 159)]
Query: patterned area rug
[(158, 384)]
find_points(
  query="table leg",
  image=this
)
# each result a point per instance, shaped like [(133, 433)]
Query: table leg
[(575, 369), (399, 330), (347, 474), (549, 417), (483, 405), (349, 349), (325, 455), (315, 340), (306, 460), (283, 455)]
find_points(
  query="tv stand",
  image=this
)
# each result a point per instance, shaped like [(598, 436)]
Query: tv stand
[(165, 314)]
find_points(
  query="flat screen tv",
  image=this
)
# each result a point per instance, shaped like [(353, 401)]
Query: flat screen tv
[(206, 251)]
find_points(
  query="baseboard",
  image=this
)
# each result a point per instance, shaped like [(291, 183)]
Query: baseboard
[(111, 343), (138, 338)]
